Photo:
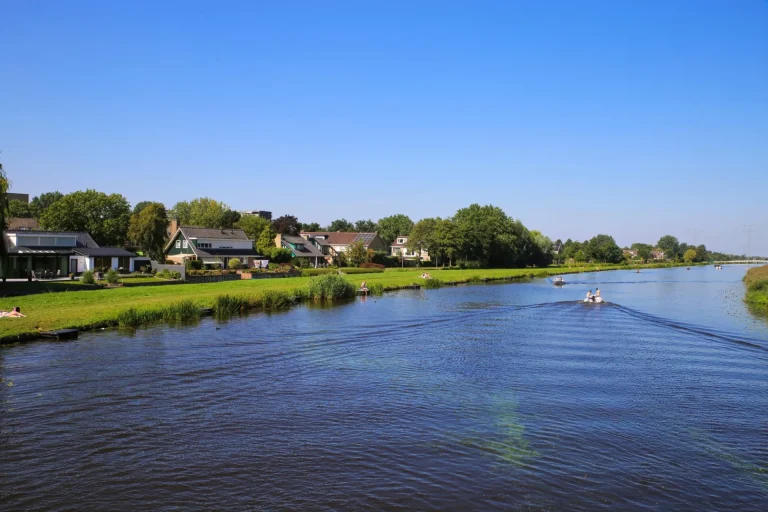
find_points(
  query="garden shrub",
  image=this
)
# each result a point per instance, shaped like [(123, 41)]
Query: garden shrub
[(234, 263), (87, 277), (111, 276)]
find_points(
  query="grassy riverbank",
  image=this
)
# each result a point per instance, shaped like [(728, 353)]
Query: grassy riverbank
[(90, 309), (756, 281)]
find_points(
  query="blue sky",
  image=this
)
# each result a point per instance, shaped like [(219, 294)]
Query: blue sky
[(635, 119)]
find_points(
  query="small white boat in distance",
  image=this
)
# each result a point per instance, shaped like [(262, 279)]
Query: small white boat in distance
[(559, 281), (594, 300)]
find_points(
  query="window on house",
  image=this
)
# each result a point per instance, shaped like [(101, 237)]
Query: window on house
[(401, 241), (204, 245), (225, 247), (186, 244), (178, 244)]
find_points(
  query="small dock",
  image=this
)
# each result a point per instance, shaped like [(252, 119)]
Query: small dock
[(61, 334)]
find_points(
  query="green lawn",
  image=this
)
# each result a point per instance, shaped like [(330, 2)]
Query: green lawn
[(95, 308)]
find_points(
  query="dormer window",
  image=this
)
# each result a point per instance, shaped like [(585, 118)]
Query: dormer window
[(401, 240), (300, 247)]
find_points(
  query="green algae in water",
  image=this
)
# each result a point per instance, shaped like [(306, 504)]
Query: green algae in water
[(510, 445), (711, 447)]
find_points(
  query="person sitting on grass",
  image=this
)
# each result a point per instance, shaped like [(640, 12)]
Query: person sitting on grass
[(363, 288), (14, 313)]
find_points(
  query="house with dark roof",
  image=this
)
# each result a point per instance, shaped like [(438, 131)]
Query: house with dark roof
[(58, 253), (301, 249), (212, 246), (22, 224), (399, 249), (334, 243)]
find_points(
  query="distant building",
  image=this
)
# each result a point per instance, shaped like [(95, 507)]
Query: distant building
[(22, 224), (399, 249), (12, 196), (657, 254), (258, 213), (630, 253), (333, 244)]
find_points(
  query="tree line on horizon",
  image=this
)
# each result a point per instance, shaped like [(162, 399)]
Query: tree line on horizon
[(482, 234)]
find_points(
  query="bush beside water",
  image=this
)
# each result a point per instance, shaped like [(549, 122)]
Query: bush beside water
[(329, 287)]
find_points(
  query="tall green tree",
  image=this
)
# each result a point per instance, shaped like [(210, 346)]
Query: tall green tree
[(446, 242), (40, 203), (202, 212), (287, 225), (266, 242), (18, 208), (141, 205), (492, 238), (341, 225), (423, 237), (5, 185), (689, 256), (393, 226), (311, 227), (104, 216), (670, 246), (253, 225), (644, 251), (147, 229), (701, 253), (365, 226), (603, 248), (229, 218), (357, 253)]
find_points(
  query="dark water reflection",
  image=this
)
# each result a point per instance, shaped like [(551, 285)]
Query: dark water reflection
[(485, 397)]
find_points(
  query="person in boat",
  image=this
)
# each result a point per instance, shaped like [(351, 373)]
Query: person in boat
[(597, 292), (13, 313), (364, 288), (590, 296)]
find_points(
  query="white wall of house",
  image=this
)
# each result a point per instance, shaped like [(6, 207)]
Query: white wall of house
[(83, 263)]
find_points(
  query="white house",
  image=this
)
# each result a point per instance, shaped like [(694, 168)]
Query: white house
[(399, 249), (58, 253)]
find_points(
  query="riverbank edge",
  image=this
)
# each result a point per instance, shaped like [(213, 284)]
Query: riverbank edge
[(255, 300), (756, 283)]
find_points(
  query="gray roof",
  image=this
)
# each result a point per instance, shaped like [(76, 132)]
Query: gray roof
[(104, 251), (250, 252), (82, 239), (309, 250), (220, 234)]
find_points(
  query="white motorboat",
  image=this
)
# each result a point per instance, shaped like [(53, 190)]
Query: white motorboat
[(559, 281), (594, 300)]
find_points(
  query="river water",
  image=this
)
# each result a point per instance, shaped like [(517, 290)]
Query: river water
[(508, 397)]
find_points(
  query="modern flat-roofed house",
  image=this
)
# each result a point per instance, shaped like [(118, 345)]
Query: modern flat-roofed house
[(301, 248), (399, 249), (333, 243), (57, 253), (212, 246)]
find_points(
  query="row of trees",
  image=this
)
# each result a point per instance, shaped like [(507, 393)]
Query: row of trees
[(479, 233)]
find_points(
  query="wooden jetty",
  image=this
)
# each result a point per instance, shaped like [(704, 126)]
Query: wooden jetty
[(61, 334)]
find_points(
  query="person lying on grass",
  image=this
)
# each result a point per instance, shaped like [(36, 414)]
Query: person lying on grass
[(14, 313)]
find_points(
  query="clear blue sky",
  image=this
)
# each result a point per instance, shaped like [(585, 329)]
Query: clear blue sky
[(635, 119)]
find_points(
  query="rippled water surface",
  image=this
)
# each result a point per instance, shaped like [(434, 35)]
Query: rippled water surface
[(483, 397)]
